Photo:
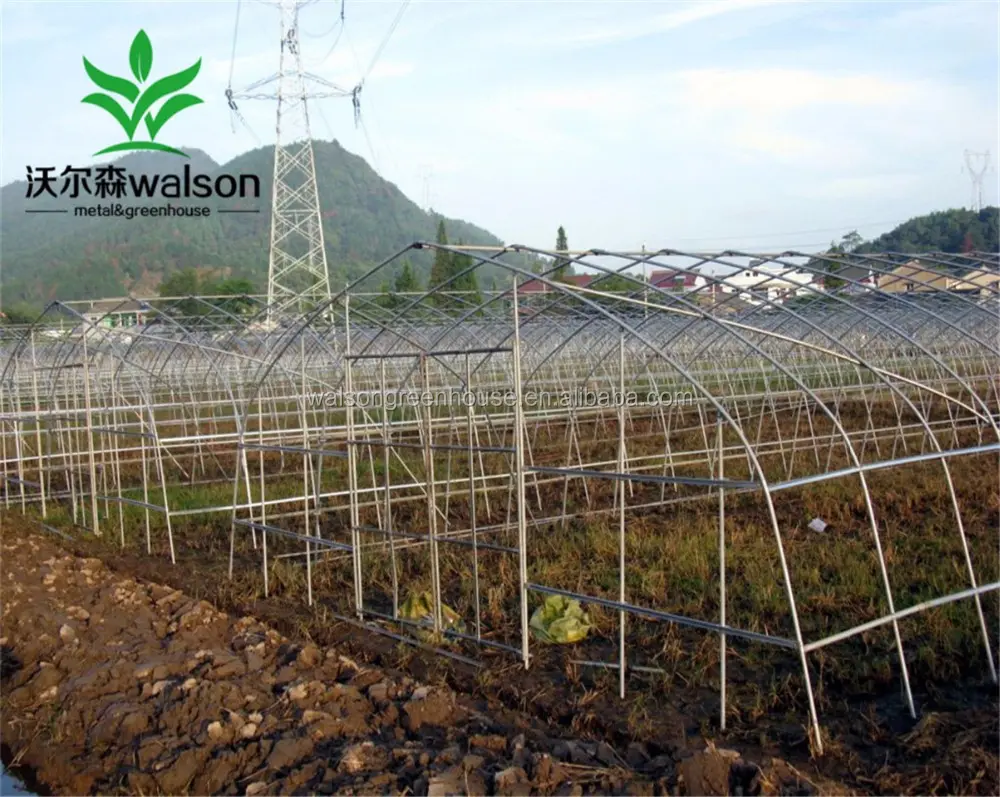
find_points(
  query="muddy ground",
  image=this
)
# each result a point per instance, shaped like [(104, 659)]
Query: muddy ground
[(116, 686)]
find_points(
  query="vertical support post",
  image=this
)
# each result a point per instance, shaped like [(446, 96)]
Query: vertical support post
[(261, 463), (522, 518), (115, 438), (5, 484), (145, 486), (90, 436), (621, 514), (352, 470), (645, 283), (722, 580), (18, 428), (431, 494), (306, 463), (470, 431), (240, 455), (263, 553), (17, 424), (38, 425), (72, 455), (387, 497), (161, 472)]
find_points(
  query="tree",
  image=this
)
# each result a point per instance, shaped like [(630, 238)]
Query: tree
[(851, 241), (393, 294), (441, 269), (189, 282), (186, 282), (18, 314), (447, 265), (238, 288), (614, 284), (406, 280), (467, 284), (563, 267), (387, 298), (233, 286), (943, 231)]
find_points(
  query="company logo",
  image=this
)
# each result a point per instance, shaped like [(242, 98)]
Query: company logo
[(137, 190), (140, 60)]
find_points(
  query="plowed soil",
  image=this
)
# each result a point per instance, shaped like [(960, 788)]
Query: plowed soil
[(113, 685)]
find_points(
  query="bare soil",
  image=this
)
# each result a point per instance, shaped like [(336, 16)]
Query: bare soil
[(115, 685), (578, 736)]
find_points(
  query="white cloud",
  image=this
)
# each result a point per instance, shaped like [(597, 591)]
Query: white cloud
[(695, 115), (390, 69), (33, 32), (246, 69), (874, 186), (969, 19), (781, 146), (24, 23), (781, 90), (616, 26)]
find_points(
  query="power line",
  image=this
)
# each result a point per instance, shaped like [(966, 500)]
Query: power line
[(298, 274), (331, 29), (755, 236), (336, 40), (232, 58), (385, 40), (234, 113)]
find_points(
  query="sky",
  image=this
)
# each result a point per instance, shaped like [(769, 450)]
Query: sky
[(695, 125)]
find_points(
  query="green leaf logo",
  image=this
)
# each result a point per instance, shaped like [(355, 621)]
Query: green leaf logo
[(140, 58)]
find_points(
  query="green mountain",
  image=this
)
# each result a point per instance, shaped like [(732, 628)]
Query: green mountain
[(366, 219), (954, 231)]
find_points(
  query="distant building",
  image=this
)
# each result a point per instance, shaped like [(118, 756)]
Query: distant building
[(979, 281), (680, 280), (758, 283), (915, 276), (115, 313), (537, 286), (857, 279)]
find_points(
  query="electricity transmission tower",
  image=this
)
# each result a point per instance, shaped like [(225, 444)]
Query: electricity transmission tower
[(426, 174), (297, 278), (977, 164)]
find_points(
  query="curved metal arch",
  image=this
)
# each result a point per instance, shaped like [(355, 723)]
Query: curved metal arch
[(849, 447), (954, 500), (723, 412), (789, 312)]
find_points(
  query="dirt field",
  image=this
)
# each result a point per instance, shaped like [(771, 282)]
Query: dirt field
[(118, 686)]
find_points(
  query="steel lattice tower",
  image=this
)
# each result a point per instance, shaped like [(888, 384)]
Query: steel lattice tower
[(977, 164), (298, 279)]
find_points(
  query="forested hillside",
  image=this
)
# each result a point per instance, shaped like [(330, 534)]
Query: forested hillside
[(60, 256), (957, 230)]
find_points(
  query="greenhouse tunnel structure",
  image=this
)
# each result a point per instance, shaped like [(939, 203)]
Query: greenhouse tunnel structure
[(688, 445)]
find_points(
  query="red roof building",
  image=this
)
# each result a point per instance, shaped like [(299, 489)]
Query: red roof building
[(673, 280), (539, 286)]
